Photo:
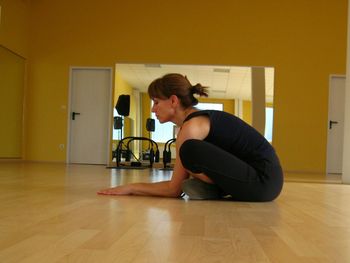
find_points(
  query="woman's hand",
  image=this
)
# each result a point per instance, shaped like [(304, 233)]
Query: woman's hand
[(119, 190), (165, 188)]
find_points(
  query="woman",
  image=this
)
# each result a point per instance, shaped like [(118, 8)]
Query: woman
[(223, 155)]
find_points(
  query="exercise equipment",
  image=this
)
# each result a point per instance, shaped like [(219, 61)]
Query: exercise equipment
[(167, 154), (124, 150)]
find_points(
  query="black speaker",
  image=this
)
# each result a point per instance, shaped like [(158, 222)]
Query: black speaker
[(150, 125), (123, 105), (118, 123)]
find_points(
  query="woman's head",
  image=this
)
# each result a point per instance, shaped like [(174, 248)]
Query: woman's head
[(179, 85)]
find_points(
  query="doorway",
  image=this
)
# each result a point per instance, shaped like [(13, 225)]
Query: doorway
[(336, 104), (89, 125)]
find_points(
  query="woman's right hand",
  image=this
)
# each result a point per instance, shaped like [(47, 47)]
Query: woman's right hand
[(119, 190)]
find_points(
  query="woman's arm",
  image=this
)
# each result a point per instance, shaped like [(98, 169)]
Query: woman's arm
[(193, 129), (154, 189), (170, 188)]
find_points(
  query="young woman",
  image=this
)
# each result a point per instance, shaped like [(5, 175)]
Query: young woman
[(217, 154)]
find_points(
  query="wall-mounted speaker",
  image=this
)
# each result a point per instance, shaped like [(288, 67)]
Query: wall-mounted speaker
[(118, 122), (123, 105), (150, 125)]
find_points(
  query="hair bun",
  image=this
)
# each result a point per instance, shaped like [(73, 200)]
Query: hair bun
[(199, 89)]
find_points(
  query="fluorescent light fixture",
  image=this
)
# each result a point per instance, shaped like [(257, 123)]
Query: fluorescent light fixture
[(222, 70), (153, 66), (218, 91)]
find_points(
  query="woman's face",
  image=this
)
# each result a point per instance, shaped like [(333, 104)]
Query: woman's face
[(163, 109)]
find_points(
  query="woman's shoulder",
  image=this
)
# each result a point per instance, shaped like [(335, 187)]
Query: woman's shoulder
[(196, 128)]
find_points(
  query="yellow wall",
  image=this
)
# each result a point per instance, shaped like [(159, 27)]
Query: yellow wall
[(14, 26), (247, 111), (304, 41), (12, 68), (13, 54)]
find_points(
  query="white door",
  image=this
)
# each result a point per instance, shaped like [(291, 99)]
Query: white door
[(90, 114), (336, 106)]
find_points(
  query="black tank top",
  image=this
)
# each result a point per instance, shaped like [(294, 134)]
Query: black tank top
[(238, 138)]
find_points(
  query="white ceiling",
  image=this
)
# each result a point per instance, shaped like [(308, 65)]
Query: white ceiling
[(224, 82)]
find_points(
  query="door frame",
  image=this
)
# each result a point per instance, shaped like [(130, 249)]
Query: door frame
[(328, 117), (110, 109)]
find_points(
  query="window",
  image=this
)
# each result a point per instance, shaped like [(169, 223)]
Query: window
[(268, 123), (210, 106), (164, 132)]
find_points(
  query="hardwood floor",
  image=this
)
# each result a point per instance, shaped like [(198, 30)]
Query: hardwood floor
[(51, 213)]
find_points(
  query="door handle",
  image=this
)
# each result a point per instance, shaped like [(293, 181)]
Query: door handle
[(331, 124), (73, 114)]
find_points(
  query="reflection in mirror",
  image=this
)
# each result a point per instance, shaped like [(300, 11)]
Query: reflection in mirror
[(230, 86), (269, 96)]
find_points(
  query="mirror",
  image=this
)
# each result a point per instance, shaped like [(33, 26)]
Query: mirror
[(230, 86)]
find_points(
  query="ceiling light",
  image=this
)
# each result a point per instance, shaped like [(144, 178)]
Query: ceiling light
[(153, 66), (222, 70), (218, 91)]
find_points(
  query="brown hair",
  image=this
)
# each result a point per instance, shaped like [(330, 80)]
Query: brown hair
[(179, 85)]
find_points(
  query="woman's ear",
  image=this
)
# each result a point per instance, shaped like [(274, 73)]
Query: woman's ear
[(174, 100)]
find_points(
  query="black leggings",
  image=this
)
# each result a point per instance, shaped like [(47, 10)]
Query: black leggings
[(232, 175)]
